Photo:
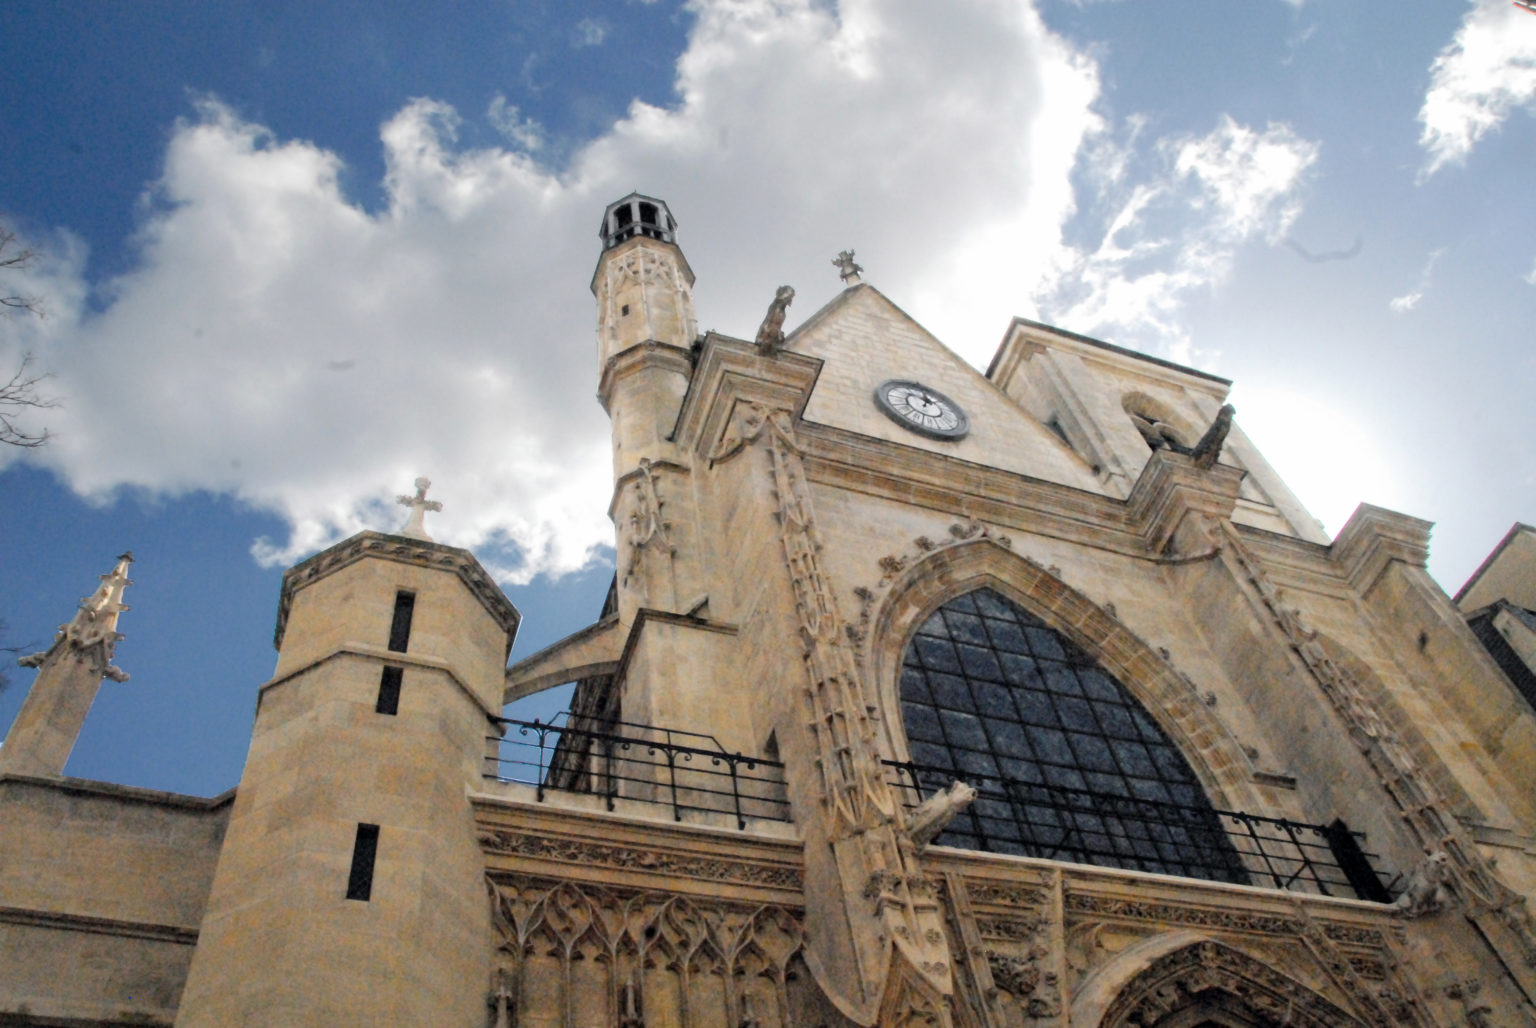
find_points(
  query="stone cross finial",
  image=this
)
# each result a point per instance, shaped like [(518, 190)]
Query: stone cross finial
[(415, 524), (847, 269)]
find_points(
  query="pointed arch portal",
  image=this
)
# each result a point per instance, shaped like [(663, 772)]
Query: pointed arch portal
[(1068, 764)]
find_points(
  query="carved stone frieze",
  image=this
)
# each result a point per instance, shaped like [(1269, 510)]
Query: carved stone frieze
[(1213, 978), (1226, 918), (1012, 928), (633, 858), (598, 954), (1005, 893)]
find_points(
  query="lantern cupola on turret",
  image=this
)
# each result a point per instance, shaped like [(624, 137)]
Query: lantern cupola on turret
[(637, 215)]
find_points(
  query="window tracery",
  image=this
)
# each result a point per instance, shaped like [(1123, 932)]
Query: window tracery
[(1068, 764)]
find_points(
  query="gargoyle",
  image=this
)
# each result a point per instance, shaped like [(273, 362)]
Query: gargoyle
[(770, 336), (1208, 448), (1425, 893), (929, 817)]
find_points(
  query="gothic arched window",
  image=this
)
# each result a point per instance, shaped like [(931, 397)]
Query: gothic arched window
[(1067, 763)]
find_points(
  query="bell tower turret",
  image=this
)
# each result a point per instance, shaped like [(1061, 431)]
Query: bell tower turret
[(645, 327)]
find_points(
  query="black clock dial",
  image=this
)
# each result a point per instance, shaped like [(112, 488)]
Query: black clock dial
[(922, 409)]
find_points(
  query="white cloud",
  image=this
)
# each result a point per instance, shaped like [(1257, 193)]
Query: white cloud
[(1410, 300), (1531, 278), (1176, 229), (1487, 71), (518, 130), (279, 343), (589, 32)]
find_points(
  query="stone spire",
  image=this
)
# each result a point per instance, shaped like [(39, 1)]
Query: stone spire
[(415, 525), (69, 675), (92, 633)]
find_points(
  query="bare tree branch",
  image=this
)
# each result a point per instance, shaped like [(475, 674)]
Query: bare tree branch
[(17, 260), (16, 396), (20, 394)]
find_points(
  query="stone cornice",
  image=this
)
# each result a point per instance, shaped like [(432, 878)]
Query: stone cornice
[(1024, 333), (118, 793), (650, 353), (67, 922), (402, 550), (385, 656), (1373, 538), (614, 850), (729, 371), (1172, 487)]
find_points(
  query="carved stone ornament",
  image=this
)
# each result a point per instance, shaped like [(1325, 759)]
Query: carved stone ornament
[(929, 818), (1210, 977), (1425, 893), (91, 636), (1469, 877), (633, 858), (648, 529), (1468, 991), (770, 335), (892, 565), (847, 268), (575, 954), (891, 922)]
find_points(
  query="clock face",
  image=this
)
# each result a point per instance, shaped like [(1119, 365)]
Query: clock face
[(923, 410)]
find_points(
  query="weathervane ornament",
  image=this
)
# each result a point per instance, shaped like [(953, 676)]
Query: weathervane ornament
[(415, 526), (847, 269)]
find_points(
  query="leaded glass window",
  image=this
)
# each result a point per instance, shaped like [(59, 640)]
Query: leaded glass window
[(1068, 765)]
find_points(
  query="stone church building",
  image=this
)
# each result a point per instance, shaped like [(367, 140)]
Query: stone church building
[(922, 697)]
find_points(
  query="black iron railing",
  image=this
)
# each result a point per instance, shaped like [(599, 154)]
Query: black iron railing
[(1078, 825), (689, 773)]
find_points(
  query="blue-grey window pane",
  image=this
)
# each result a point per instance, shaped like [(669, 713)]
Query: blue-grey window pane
[(1060, 681), (1036, 708), (1045, 644), (1075, 714), (963, 730), (980, 662), (1099, 686), (950, 692), (923, 723), (936, 654), (1007, 636), (1115, 720), (965, 627)]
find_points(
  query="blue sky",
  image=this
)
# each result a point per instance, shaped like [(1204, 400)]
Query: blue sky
[(295, 255)]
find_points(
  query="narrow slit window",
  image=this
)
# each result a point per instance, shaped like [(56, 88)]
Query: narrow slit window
[(389, 691), (400, 625), (364, 850)]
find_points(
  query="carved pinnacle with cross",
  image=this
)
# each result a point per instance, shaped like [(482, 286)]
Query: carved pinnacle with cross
[(415, 526)]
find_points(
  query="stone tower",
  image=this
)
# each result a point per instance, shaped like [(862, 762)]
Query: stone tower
[(351, 843)]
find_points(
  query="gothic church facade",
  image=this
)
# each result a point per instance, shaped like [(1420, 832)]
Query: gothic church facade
[(922, 697)]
